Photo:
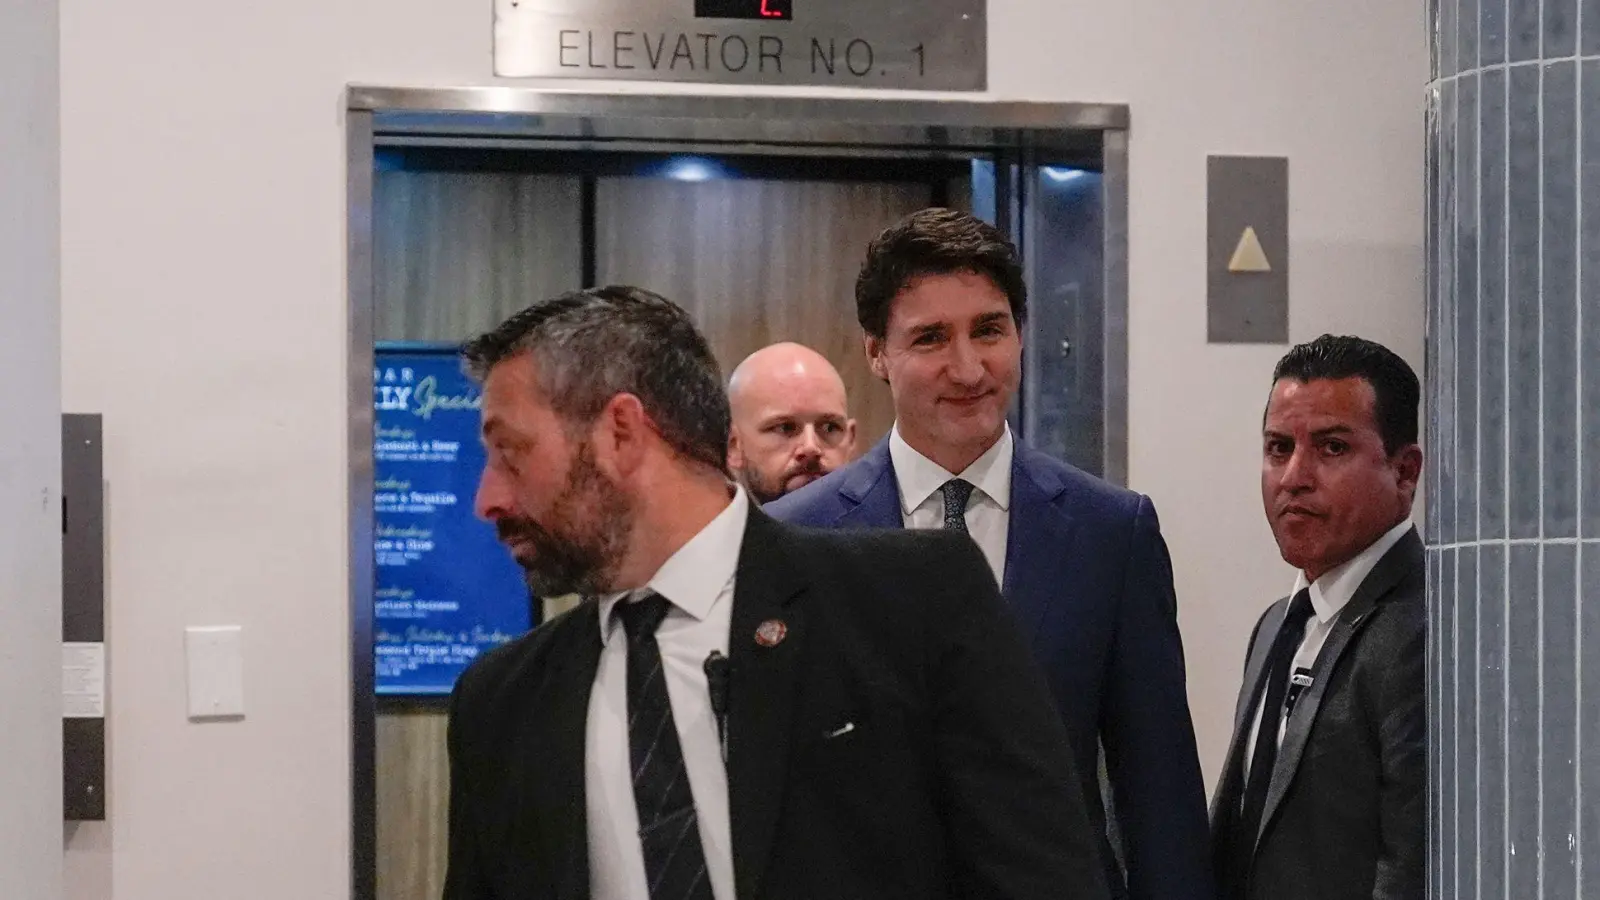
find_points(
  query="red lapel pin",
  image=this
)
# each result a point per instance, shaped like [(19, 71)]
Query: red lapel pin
[(771, 632)]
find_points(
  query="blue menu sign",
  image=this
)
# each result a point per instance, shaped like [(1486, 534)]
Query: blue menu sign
[(446, 589)]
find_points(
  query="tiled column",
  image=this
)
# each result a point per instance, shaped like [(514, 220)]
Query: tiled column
[(1513, 397)]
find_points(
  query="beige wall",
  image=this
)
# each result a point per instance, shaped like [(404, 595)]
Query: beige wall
[(30, 454), (203, 313), (1337, 89)]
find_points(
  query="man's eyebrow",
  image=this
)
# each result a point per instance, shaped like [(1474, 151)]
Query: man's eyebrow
[(1333, 430)]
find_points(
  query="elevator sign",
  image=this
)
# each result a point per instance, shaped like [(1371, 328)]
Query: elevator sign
[(934, 45)]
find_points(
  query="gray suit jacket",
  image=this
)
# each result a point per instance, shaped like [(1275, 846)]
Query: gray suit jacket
[(1345, 813)]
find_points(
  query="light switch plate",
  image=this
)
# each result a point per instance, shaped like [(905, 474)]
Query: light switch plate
[(216, 671)]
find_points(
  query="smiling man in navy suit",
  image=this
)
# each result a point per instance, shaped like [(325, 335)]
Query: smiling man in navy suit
[(1081, 563)]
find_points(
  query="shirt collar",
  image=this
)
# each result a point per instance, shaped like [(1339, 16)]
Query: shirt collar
[(920, 477), (693, 578), (1337, 586)]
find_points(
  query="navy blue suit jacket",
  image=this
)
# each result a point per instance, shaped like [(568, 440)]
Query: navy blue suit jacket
[(1088, 577)]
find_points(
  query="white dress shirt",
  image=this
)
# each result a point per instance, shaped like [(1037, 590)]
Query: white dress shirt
[(922, 503), (1329, 596), (698, 580)]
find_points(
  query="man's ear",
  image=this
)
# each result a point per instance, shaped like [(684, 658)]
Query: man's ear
[(735, 452), (621, 435), (1407, 464), (874, 347)]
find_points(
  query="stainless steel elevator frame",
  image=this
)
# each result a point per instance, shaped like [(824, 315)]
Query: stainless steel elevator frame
[(538, 118)]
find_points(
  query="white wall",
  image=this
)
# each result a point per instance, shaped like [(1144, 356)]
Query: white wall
[(203, 254), (30, 453), (1337, 89)]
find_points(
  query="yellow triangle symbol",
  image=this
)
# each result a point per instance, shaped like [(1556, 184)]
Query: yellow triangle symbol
[(1248, 256)]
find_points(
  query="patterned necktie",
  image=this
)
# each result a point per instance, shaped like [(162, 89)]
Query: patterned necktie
[(956, 494), (674, 862), (1264, 758)]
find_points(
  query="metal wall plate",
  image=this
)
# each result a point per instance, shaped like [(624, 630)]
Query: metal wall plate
[(1247, 250), (940, 45), (83, 744)]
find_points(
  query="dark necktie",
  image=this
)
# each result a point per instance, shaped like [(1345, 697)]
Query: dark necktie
[(956, 493), (1264, 757), (674, 862)]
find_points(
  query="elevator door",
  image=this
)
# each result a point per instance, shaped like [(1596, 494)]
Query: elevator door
[(1063, 408)]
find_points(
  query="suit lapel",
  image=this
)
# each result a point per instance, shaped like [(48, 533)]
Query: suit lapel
[(1403, 558), (1038, 543), (1245, 712), (561, 777), (1039, 533), (871, 492), (761, 695)]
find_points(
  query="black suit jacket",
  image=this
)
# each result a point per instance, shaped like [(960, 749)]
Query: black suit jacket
[(1344, 817), (955, 782)]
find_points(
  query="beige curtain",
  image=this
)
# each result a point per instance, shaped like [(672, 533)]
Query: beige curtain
[(757, 262), (457, 252)]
